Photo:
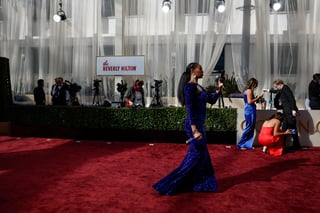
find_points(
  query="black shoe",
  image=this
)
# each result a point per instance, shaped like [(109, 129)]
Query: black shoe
[(297, 148), (288, 150)]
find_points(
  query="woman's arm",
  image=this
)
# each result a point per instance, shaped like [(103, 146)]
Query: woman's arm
[(250, 98), (213, 97), (277, 131)]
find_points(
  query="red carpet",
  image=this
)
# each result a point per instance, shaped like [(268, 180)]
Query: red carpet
[(60, 175)]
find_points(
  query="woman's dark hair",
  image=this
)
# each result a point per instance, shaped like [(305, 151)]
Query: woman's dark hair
[(184, 79), (277, 115), (252, 83), (137, 83)]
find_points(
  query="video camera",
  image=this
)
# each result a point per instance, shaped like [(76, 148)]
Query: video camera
[(219, 76), (73, 88), (96, 83), (272, 90), (157, 84), (122, 87)]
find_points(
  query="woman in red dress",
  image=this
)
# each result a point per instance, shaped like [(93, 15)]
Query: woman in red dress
[(271, 135)]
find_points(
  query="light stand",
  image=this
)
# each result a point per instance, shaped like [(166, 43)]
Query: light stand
[(60, 16)]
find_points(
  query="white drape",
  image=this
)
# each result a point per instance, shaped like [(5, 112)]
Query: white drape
[(282, 45)]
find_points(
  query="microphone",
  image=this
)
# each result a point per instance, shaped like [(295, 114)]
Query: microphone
[(272, 90), (189, 140)]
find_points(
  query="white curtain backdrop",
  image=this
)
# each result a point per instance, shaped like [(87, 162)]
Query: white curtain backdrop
[(284, 44)]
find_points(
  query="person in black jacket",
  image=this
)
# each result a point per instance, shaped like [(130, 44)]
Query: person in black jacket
[(59, 92), (314, 92), (38, 93), (286, 102)]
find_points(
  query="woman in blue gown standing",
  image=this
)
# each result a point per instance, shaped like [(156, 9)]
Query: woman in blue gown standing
[(247, 137), (195, 172)]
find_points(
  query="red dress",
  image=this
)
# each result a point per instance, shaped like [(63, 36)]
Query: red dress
[(273, 143)]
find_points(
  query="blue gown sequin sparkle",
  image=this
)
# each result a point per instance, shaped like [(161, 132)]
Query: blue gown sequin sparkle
[(196, 172)]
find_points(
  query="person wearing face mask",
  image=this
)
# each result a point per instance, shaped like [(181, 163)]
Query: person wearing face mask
[(195, 173)]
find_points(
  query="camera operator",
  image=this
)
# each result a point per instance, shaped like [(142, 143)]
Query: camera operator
[(135, 95), (96, 85), (71, 92)]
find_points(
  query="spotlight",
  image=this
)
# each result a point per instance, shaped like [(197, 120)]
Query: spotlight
[(60, 16), (220, 6), (276, 5), (166, 5)]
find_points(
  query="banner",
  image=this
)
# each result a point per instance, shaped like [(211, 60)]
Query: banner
[(120, 65)]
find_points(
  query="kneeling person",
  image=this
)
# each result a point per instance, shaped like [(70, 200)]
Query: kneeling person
[(271, 134)]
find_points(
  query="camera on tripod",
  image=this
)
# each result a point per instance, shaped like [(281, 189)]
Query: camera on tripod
[(261, 100), (156, 100), (96, 88), (96, 83), (157, 84), (219, 76), (72, 88)]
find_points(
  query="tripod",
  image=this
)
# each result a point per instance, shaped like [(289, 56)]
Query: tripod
[(270, 101), (156, 100), (96, 96), (220, 100)]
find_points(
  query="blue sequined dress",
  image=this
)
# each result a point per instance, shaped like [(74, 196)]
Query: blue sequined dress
[(196, 172), (247, 137)]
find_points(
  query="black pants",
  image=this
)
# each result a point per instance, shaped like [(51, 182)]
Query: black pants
[(290, 122)]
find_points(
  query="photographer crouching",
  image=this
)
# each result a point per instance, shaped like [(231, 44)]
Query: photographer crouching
[(135, 95)]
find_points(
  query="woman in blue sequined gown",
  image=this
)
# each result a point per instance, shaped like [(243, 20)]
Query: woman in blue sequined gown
[(195, 173), (247, 137)]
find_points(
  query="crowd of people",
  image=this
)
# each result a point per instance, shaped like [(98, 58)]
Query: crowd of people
[(196, 172), (59, 93), (279, 132), (275, 130), (64, 93), (135, 97)]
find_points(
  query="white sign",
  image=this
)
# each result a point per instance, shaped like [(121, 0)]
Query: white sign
[(120, 65)]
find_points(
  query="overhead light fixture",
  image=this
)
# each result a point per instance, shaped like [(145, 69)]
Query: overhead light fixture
[(276, 5), (166, 5), (220, 6), (60, 16)]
